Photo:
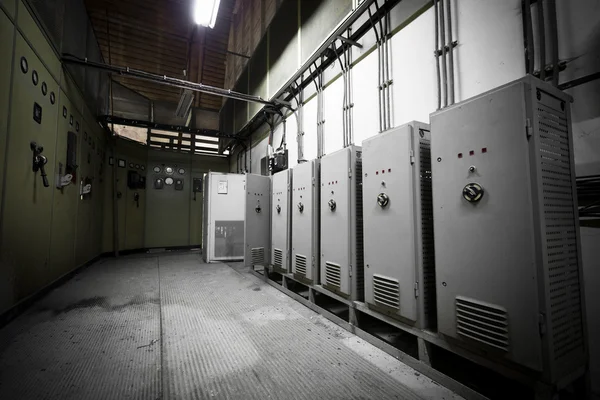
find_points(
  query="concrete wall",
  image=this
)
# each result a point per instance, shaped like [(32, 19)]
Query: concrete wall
[(45, 232), (489, 53)]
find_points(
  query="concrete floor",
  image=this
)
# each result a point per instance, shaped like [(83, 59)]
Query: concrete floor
[(170, 327)]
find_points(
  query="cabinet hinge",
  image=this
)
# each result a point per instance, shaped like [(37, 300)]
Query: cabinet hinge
[(412, 157), (351, 270), (528, 128), (416, 289)]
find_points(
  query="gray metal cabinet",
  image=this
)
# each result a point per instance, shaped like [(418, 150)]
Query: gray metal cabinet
[(341, 223), (257, 234), (281, 220), (506, 229), (398, 224)]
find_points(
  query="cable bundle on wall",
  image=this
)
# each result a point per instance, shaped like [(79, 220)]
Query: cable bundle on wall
[(384, 70), (445, 71), (348, 102), (320, 113)]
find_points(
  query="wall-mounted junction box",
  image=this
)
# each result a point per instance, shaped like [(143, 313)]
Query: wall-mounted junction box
[(341, 223), (281, 220), (508, 264), (398, 224), (305, 221)]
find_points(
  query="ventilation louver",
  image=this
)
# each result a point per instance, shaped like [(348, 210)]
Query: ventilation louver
[(333, 275), (278, 258), (258, 256), (301, 265), (482, 322), (386, 291)]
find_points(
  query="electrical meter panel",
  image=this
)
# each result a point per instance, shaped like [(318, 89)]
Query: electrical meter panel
[(398, 224), (305, 221), (508, 264), (281, 221), (257, 237), (341, 223)]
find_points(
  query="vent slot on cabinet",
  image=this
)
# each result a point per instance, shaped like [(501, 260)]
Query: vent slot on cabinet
[(278, 258), (258, 256), (483, 322), (428, 249), (560, 246), (301, 265), (386, 291), (360, 270), (333, 275)]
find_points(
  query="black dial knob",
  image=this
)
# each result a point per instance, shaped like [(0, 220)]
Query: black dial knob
[(300, 207), (332, 204), (383, 199), (278, 208), (473, 192)]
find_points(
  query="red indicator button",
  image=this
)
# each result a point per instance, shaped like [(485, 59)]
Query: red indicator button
[(484, 150), (472, 152), (459, 155)]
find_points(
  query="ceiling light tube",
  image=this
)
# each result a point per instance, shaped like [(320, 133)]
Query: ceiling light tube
[(205, 12)]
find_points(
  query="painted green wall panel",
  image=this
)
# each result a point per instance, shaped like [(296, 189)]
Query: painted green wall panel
[(6, 53), (6, 48), (135, 155), (64, 211), (10, 6), (28, 204), (167, 209), (30, 29)]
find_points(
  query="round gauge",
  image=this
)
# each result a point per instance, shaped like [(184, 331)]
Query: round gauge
[(137, 166), (44, 88), (181, 171), (142, 167), (52, 98), (169, 170), (157, 169), (169, 180), (34, 77), (24, 65), (64, 112), (130, 165)]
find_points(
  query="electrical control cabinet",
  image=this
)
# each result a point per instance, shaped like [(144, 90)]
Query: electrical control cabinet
[(257, 236), (224, 213), (281, 220), (508, 264), (305, 221), (398, 224), (341, 223)]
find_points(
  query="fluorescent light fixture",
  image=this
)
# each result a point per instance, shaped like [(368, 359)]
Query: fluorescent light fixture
[(205, 12)]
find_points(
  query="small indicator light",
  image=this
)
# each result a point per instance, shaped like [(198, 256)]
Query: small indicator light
[(484, 150), (459, 155), (472, 152)]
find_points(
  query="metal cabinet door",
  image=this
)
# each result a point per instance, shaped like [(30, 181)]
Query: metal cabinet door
[(257, 231), (336, 220), (389, 228)]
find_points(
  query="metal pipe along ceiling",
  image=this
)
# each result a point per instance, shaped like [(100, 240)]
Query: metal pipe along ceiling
[(169, 81)]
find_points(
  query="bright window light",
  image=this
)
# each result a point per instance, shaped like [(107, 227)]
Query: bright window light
[(205, 12)]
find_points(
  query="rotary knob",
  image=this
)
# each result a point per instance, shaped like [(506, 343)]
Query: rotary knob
[(300, 207), (332, 204), (278, 208), (473, 192), (258, 209), (383, 199)]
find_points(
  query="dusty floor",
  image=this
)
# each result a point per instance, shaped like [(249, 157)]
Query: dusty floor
[(170, 327)]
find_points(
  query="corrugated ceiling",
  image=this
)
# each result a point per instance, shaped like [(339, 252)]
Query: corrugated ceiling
[(160, 36)]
